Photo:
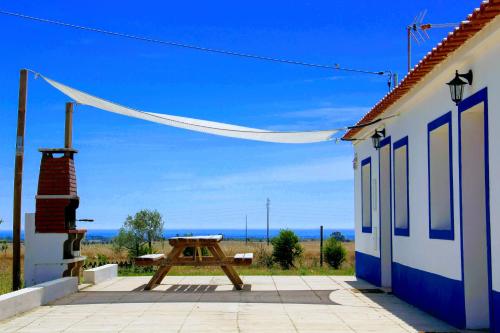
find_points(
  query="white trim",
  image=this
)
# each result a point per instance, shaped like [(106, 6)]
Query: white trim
[(56, 196)]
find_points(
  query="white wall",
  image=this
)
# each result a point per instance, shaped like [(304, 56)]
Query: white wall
[(427, 101)]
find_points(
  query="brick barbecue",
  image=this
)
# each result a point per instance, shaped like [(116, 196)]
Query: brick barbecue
[(57, 198), (52, 239)]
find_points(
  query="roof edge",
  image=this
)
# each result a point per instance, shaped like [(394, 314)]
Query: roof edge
[(475, 22)]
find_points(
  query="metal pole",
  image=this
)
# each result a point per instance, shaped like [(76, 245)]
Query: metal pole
[(395, 80), (408, 31), (68, 126), (18, 181), (321, 246), (267, 206), (246, 230)]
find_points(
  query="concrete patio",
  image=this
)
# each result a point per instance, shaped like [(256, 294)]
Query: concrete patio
[(209, 304)]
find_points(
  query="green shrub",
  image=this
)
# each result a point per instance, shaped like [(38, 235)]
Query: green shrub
[(4, 246), (189, 251), (286, 248), (102, 258), (334, 251), (264, 257)]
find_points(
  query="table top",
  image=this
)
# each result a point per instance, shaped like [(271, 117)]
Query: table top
[(196, 239), (210, 237)]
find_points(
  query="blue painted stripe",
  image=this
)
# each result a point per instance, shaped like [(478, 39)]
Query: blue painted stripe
[(495, 308), (440, 296), (368, 268)]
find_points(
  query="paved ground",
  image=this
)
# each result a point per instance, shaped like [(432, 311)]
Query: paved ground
[(208, 304)]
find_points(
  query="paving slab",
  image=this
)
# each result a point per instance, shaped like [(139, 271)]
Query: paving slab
[(211, 304)]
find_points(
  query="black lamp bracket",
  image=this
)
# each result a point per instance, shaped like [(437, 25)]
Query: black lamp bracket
[(467, 76)]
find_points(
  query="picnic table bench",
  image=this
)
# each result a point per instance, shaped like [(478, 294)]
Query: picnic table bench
[(197, 243)]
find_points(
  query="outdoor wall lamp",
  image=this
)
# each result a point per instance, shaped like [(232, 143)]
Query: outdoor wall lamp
[(457, 85), (376, 137)]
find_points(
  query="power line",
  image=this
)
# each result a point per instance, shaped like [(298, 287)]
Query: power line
[(190, 46)]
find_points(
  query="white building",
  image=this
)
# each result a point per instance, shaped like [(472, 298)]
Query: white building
[(427, 202)]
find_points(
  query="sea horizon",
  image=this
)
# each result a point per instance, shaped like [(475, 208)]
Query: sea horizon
[(228, 233)]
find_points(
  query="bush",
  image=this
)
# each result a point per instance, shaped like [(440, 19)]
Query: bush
[(264, 257), (286, 248), (4, 246), (189, 251), (102, 258), (334, 251)]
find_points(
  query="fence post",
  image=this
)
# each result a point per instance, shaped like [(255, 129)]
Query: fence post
[(321, 246)]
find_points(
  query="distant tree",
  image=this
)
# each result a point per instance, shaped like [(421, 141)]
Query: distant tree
[(145, 227), (286, 248), (338, 236)]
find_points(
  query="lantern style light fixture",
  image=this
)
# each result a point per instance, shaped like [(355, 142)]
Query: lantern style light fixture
[(457, 86), (376, 137)]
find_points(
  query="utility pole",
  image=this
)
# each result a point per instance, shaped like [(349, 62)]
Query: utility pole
[(321, 246), (246, 229), (18, 181), (268, 203)]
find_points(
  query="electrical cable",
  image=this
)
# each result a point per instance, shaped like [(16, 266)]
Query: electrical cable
[(190, 46)]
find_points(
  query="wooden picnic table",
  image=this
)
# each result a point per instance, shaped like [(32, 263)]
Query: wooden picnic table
[(197, 243)]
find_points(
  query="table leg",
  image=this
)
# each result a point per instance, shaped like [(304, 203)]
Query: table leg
[(163, 270), (227, 269), (157, 277)]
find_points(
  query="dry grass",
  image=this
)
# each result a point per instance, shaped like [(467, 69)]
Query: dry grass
[(308, 265), (6, 269)]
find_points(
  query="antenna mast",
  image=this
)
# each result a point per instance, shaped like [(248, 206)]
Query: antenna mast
[(418, 31)]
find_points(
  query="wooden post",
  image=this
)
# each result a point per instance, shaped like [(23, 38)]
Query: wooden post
[(18, 181), (68, 126), (321, 246)]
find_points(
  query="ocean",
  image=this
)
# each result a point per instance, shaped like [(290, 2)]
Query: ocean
[(255, 234)]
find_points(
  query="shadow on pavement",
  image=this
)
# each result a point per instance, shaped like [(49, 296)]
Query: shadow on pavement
[(200, 293)]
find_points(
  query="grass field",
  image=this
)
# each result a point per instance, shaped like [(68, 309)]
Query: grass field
[(6, 270), (307, 265)]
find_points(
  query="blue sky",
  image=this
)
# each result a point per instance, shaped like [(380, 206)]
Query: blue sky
[(196, 180)]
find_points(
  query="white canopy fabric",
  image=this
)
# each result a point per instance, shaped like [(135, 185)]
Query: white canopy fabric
[(197, 125)]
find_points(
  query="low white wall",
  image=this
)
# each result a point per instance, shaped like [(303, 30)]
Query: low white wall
[(56, 289), (101, 273), (20, 301), (26, 299)]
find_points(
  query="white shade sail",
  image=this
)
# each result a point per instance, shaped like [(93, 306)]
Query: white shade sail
[(197, 125)]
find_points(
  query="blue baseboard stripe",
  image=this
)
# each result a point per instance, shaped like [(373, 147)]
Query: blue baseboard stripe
[(495, 325), (368, 268), (440, 296)]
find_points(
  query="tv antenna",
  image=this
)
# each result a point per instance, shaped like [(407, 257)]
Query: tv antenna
[(418, 31)]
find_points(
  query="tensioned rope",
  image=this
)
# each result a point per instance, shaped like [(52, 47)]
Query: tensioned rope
[(198, 125), (190, 46)]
